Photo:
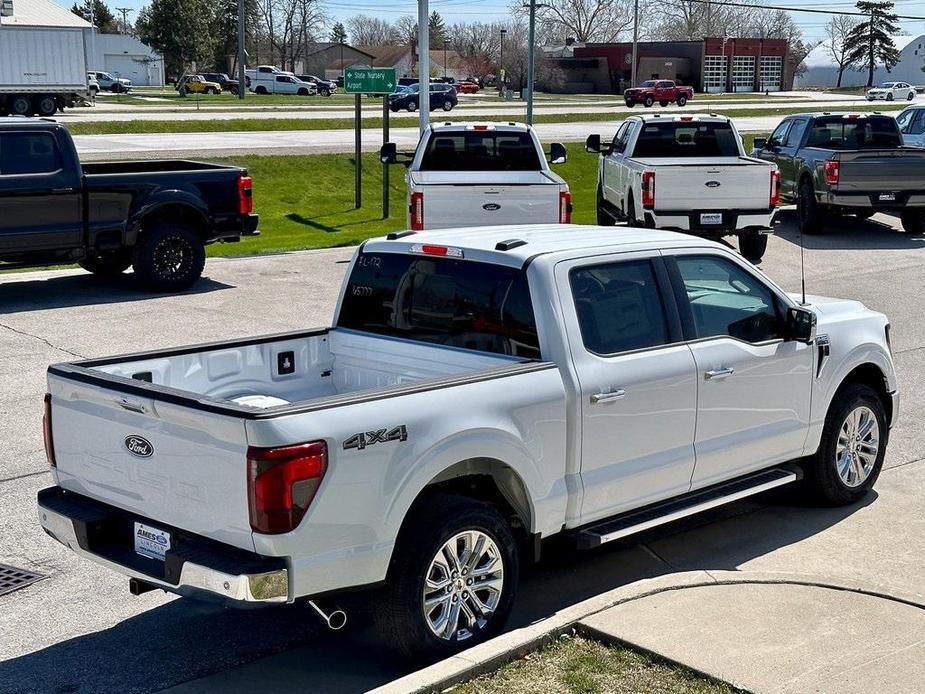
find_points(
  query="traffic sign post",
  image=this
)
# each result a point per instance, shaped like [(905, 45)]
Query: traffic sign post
[(368, 80)]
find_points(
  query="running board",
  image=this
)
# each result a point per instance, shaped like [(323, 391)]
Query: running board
[(681, 506)]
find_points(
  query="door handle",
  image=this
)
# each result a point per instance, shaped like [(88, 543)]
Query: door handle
[(599, 398), (61, 191), (719, 374), (131, 405)]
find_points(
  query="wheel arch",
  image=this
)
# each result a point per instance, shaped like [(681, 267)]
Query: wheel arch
[(871, 375), (180, 207)]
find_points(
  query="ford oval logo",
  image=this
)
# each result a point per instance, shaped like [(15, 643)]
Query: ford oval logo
[(139, 446), (491, 207), (712, 184)]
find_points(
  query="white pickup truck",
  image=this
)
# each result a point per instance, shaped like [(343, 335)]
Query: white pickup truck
[(481, 390), (687, 173), (482, 174)]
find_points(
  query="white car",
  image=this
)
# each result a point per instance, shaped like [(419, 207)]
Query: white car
[(281, 83), (891, 91), (911, 123), (112, 84), (481, 390), (476, 174), (686, 173)]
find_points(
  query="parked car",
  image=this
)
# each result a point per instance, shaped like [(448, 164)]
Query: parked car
[(110, 83), (852, 163), (441, 96), (480, 391), (663, 92), (196, 84), (156, 216), (467, 87), (266, 72), (483, 174), (283, 83), (223, 80), (325, 87), (911, 123), (891, 91), (687, 173)]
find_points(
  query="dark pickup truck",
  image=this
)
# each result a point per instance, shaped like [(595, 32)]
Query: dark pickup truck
[(156, 216), (855, 163)]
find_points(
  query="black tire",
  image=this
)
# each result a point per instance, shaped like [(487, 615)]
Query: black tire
[(863, 214), (889, 97), (630, 104), (910, 96), (811, 213), (631, 212), (169, 257), (116, 88), (682, 100), (411, 106), (400, 617), (325, 92), (752, 246), (21, 106), (303, 92), (108, 263), (260, 90), (604, 218), (648, 101), (447, 105), (663, 104), (183, 92), (46, 106), (822, 477), (913, 221)]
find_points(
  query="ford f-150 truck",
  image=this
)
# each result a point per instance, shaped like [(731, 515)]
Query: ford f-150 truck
[(686, 173), (853, 163), (662, 91), (482, 174), (481, 390), (156, 216)]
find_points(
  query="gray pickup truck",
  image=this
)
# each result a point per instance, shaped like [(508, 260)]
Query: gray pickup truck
[(856, 163)]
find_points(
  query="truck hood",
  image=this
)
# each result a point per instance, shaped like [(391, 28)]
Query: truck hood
[(828, 308), (485, 178)]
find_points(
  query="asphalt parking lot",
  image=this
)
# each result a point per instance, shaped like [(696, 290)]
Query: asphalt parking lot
[(79, 630)]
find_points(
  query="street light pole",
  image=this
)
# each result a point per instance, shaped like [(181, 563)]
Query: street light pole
[(242, 87), (501, 89), (635, 42), (423, 65), (444, 60)]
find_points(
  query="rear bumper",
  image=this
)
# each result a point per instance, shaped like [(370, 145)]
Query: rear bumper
[(195, 566), (733, 221), (871, 200)]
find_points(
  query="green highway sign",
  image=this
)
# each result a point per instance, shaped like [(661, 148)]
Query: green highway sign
[(369, 80)]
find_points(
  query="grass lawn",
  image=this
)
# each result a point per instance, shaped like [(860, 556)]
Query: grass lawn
[(579, 666)]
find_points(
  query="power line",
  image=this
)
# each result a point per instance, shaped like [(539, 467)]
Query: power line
[(792, 9)]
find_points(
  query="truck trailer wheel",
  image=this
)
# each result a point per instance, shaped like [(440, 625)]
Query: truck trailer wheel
[(913, 221), (21, 106), (108, 263), (169, 257), (853, 445), (752, 246), (452, 580), (46, 106), (812, 214)]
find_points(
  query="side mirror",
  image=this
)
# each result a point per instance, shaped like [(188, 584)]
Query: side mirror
[(388, 153), (801, 324), (760, 143), (593, 144), (557, 153)]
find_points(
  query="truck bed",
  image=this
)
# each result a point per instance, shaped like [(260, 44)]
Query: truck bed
[(158, 166)]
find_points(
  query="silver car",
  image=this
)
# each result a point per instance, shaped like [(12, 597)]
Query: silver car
[(911, 124)]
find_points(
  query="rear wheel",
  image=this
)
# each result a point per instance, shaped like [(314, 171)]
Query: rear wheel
[(108, 263), (412, 106), (303, 92), (452, 580), (630, 104), (325, 92), (169, 257), (913, 221), (752, 246), (889, 97), (648, 101), (682, 100), (812, 214), (910, 96), (260, 90), (46, 106), (21, 106), (447, 105), (631, 213), (604, 218)]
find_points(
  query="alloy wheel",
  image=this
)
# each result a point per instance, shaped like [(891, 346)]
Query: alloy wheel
[(173, 257), (857, 447)]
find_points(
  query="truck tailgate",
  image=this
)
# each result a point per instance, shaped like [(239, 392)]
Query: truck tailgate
[(169, 463), (881, 170), (696, 185)]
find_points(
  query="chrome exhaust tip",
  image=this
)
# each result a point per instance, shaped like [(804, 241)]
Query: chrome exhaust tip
[(336, 620)]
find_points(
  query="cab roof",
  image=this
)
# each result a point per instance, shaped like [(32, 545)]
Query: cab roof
[(7, 122), (516, 245)]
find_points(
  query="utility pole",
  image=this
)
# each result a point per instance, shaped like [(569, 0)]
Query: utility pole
[(501, 76), (124, 11), (423, 65), (92, 32), (444, 60), (241, 85), (530, 59), (635, 42)]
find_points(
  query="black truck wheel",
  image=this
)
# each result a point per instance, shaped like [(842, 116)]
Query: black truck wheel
[(812, 214), (169, 257), (46, 106), (452, 579), (913, 221), (752, 246), (648, 101), (108, 263), (630, 104), (682, 100), (21, 106), (604, 218)]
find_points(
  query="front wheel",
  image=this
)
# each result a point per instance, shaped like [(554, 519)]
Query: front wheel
[(648, 101), (447, 105), (325, 92), (682, 100), (811, 213), (412, 106), (753, 246), (889, 97), (910, 96), (630, 104), (853, 445), (169, 257), (452, 580)]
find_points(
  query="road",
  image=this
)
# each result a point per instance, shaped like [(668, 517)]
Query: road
[(80, 630)]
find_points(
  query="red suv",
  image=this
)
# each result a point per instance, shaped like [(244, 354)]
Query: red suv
[(662, 91)]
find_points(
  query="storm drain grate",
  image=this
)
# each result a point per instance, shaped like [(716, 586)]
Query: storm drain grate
[(12, 578)]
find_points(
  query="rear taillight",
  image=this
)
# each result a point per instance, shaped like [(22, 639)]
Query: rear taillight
[(281, 483), (417, 211), (565, 207), (774, 197), (46, 432), (648, 190), (245, 195), (831, 172)]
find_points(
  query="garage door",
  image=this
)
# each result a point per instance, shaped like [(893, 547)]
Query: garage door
[(770, 73), (127, 67), (743, 73)]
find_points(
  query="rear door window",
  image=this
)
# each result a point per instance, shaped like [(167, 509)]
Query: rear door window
[(480, 151), (28, 153)]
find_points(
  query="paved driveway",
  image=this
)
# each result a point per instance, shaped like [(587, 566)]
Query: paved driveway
[(80, 629)]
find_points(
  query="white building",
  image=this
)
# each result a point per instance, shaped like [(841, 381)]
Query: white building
[(821, 70), (126, 56)]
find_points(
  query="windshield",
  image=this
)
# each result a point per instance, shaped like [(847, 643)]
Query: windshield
[(888, 85), (444, 301), (481, 151), (648, 83), (870, 132), (686, 139)]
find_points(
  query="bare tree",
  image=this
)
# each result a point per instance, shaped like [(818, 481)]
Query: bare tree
[(687, 20), (584, 20), (371, 31), (836, 42), (407, 28), (478, 46)]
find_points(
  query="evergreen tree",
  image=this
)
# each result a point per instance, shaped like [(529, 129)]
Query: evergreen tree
[(180, 30), (103, 18), (339, 33), (437, 29), (871, 41)]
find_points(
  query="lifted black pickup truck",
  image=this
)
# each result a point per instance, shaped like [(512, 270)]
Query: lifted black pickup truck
[(853, 163), (156, 216)]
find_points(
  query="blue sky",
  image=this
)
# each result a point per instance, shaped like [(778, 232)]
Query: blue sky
[(497, 10)]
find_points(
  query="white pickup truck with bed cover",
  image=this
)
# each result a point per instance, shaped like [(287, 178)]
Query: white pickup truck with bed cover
[(481, 390), (687, 173), (482, 174)]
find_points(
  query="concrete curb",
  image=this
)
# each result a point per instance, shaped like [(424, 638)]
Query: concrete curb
[(512, 645)]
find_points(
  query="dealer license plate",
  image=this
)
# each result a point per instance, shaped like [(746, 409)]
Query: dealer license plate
[(151, 542), (887, 197), (711, 218)]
